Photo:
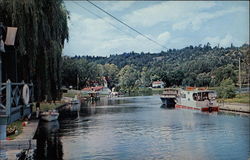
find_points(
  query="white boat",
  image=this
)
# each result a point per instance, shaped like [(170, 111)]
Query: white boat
[(49, 116), (197, 99), (168, 97), (73, 106)]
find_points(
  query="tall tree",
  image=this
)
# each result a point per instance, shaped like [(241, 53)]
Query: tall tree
[(42, 31), (128, 76)]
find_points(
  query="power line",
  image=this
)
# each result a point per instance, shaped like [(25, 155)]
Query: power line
[(102, 19), (127, 25)]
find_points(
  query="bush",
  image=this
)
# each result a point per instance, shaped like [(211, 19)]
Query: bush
[(226, 89)]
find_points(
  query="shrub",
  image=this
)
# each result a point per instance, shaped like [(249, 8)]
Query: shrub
[(226, 89)]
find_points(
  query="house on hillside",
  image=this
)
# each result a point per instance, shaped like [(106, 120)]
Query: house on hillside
[(157, 84)]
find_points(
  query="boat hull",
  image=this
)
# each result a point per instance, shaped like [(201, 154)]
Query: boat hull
[(49, 118), (203, 109)]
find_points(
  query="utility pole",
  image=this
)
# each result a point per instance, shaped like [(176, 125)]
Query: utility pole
[(239, 77), (77, 82)]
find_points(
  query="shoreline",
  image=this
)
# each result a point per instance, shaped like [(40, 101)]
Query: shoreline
[(25, 140), (235, 107)]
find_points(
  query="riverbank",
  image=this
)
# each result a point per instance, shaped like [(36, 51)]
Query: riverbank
[(22, 141), (235, 107), (239, 98)]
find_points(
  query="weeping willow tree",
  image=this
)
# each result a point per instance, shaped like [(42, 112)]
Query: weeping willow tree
[(42, 31)]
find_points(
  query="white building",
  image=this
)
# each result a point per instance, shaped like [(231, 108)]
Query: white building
[(158, 84)]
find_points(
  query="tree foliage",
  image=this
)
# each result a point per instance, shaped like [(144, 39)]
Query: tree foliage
[(42, 30), (226, 89), (128, 77), (190, 66), (193, 65)]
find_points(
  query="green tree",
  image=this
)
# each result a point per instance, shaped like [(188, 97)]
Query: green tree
[(42, 31), (226, 89), (145, 80), (128, 76), (225, 72), (82, 69), (110, 72)]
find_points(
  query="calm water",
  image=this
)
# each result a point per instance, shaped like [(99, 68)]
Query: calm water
[(138, 128)]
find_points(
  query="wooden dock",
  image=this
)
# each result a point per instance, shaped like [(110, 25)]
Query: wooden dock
[(23, 141)]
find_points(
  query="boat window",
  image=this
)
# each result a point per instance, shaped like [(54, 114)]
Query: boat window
[(195, 96), (204, 96), (211, 95), (183, 95), (198, 96)]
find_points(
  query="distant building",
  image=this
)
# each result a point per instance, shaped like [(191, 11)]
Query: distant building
[(158, 84), (100, 89)]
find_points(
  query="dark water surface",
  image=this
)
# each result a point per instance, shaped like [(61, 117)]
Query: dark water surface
[(138, 128)]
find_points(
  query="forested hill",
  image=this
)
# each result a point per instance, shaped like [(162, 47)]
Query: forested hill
[(201, 58), (198, 65)]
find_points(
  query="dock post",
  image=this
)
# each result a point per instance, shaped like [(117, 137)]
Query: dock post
[(8, 97), (3, 126), (5, 117)]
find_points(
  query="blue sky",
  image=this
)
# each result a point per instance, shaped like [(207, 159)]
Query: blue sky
[(174, 24)]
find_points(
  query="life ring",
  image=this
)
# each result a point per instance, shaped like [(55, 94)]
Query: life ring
[(26, 94)]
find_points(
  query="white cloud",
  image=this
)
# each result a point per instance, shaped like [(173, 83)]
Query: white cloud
[(222, 41), (164, 37), (93, 36), (179, 14), (99, 38), (117, 5)]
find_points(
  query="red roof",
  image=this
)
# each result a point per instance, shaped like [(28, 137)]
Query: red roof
[(157, 82), (98, 88)]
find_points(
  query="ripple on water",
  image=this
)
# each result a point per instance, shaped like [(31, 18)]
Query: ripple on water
[(137, 128)]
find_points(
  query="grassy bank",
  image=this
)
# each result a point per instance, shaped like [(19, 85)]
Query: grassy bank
[(240, 98), (157, 90), (47, 106), (50, 106), (72, 93), (19, 128)]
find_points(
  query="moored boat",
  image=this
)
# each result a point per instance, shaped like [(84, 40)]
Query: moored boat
[(197, 99), (93, 95), (168, 97), (49, 115), (74, 105)]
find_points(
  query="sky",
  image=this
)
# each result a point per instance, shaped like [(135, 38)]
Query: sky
[(172, 24)]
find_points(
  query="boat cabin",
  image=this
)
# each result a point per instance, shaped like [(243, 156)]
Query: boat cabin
[(170, 93), (198, 99)]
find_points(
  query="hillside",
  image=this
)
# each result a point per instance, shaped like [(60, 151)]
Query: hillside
[(198, 65)]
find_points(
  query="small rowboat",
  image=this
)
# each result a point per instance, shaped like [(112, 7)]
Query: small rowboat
[(49, 116)]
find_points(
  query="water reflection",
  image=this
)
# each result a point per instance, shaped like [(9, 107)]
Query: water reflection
[(137, 128), (167, 106), (49, 144)]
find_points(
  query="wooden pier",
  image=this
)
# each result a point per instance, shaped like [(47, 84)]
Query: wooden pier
[(23, 141), (15, 103)]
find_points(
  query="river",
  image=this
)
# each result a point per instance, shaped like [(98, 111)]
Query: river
[(138, 128)]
